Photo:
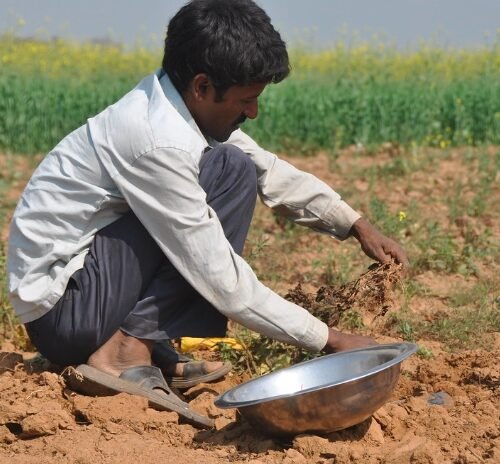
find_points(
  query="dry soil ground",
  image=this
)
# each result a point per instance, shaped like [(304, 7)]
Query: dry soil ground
[(445, 409)]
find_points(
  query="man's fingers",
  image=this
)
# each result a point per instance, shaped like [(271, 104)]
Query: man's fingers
[(383, 254), (385, 258), (396, 253), (376, 245)]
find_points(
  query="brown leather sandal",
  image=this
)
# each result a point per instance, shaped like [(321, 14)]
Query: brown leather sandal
[(146, 381), (194, 371)]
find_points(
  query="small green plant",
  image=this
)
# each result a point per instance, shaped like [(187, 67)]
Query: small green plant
[(424, 352), (260, 354), (391, 223), (455, 201), (351, 319), (476, 313), (406, 330), (482, 192), (409, 289), (337, 270), (479, 184), (474, 297), (256, 249), (9, 325), (482, 184), (287, 227), (438, 250), (404, 325)]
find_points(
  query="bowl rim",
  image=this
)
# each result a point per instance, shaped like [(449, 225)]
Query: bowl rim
[(405, 350)]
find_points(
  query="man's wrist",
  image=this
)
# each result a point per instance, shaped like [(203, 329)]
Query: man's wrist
[(333, 340), (358, 227)]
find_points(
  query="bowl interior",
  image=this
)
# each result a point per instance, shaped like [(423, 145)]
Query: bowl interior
[(317, 373)]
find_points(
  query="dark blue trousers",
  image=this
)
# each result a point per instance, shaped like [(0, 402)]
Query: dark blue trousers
[(127, 282)]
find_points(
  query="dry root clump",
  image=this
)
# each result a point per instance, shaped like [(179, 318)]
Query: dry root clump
[(371, 292)]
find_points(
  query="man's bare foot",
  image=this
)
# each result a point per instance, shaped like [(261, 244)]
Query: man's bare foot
[(120, 352)]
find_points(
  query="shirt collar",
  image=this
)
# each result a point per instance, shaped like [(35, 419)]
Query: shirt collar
[(177, 102)]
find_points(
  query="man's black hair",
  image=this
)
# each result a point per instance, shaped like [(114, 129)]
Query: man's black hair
[(232, 41)]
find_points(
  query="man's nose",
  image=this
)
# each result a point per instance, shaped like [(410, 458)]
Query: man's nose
[(252, 110)]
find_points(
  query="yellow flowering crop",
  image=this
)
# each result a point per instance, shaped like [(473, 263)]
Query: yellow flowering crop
[(61, 58)]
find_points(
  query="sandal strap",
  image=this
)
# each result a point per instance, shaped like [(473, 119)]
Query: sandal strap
[(148, 377), (194, 369)]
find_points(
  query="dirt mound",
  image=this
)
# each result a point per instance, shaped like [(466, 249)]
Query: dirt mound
[(443, 410)]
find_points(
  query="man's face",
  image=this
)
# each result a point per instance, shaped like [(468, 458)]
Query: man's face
[(218, 118)]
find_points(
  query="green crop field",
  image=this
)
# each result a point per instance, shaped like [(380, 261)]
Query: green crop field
[(343, 96)]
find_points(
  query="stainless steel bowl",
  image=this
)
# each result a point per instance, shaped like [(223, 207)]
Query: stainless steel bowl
[(322, 395)]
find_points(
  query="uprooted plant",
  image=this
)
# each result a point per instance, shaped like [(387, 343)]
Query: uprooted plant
[(345, 306)]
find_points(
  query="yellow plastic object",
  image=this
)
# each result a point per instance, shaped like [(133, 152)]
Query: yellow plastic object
[(212, 344)]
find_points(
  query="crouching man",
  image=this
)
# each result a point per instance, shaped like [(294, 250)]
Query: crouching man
[(130, 232)]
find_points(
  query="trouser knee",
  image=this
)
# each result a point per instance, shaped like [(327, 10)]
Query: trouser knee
[(229, 179), (224, 166)]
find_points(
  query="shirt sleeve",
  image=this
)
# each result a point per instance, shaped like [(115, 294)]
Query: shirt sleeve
[(162, 189), (298, 195)]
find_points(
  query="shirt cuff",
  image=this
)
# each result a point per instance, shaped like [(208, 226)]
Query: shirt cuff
[(343, 217), (316, 335)]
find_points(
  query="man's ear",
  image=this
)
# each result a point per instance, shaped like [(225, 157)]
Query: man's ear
[(200, 86)]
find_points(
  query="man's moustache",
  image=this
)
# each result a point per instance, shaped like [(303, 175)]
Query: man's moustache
[(241, 120)]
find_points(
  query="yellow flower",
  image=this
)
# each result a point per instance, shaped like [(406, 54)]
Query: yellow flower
[(402, 216)]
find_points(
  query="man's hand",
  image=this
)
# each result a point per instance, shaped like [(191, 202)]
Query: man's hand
[(376, 245), (338, 341)]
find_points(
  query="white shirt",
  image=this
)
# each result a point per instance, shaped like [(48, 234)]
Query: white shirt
[(143, 153)]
